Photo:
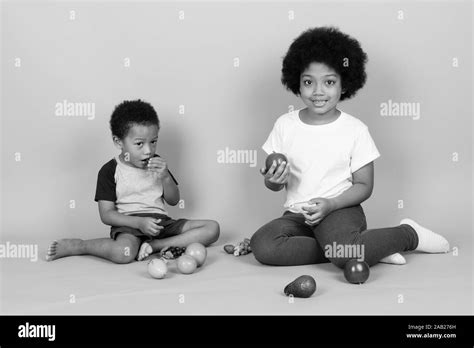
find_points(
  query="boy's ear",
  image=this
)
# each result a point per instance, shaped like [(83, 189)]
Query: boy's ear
[(117, 142)]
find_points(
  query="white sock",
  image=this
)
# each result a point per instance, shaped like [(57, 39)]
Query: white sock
[(394, 259), (428, 241)]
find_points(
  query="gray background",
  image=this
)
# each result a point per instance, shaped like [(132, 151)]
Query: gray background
[(190, 62)]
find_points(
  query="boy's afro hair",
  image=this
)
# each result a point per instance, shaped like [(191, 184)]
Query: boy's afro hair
[(329, 46), (129, 113)]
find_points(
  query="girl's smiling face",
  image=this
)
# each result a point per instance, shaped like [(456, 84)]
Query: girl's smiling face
[(320, 90)]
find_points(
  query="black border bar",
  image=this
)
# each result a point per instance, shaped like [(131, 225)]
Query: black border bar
[(240, 330)]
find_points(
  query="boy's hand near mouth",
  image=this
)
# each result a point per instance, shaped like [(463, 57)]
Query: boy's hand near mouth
[(158, 165)]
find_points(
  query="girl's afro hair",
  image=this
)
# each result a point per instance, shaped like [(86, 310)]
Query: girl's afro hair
[(329, 46)]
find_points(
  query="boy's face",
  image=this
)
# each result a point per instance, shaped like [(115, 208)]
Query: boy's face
[(138, 145), (320, 89)]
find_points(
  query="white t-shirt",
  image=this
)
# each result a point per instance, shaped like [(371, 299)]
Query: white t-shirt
[(322, 157)]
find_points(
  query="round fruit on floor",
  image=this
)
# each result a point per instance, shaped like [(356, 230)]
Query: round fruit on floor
[(157, 268), (186, 264), (356, 272), (198, 252)]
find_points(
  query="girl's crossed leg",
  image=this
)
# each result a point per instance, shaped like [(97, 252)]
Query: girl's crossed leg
[(288, 240), (346, 230)]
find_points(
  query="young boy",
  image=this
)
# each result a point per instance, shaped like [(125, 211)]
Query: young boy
[(131, 191)]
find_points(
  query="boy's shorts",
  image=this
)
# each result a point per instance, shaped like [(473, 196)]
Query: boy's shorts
[(171, 227)]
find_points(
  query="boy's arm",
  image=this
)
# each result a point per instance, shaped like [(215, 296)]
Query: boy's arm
[(110, 216), (170, 189), (363, 184)]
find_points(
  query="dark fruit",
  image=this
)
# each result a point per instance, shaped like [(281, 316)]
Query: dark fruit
[(172, 252), (278, 157), (356, 272), (303, 286), (229, 249)]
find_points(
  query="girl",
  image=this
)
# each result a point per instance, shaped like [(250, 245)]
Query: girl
[(330, 169)]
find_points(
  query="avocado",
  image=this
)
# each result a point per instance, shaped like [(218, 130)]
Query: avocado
[(303, 286)]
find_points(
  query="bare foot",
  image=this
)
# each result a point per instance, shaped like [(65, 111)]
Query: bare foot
[(145, 251), (64, 247)]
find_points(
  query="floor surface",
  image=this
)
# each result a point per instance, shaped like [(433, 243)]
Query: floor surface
[(429, 284)]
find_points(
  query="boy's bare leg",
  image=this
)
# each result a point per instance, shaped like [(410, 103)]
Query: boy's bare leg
[(205, 232), (122, 250)]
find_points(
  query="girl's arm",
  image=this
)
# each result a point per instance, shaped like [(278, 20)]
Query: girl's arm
[(276, 178), (363, 184)]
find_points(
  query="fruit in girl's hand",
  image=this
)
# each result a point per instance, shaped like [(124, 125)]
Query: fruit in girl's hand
[(198, 252), (157, 268), (278, 157), (229, 249), (303, 286), (356, 272), (186, 264)]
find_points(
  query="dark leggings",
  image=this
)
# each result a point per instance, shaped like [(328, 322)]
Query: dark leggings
[(288, 241)]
